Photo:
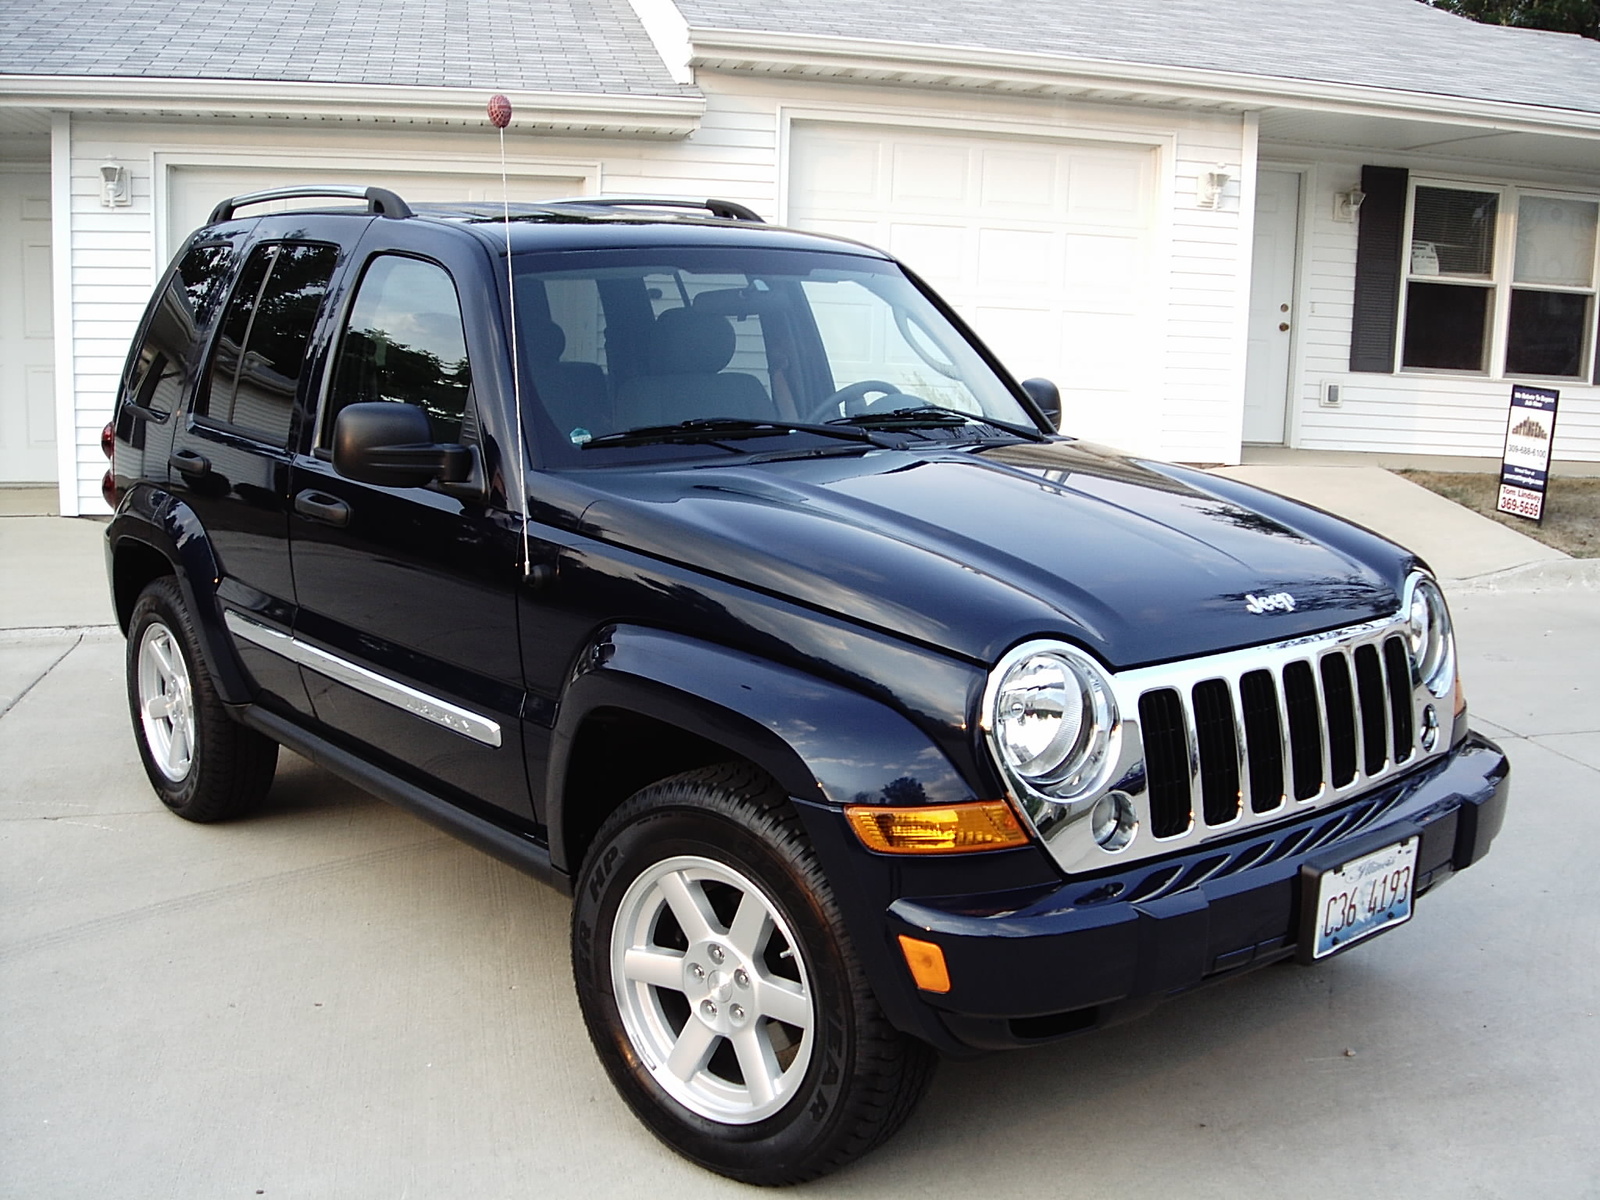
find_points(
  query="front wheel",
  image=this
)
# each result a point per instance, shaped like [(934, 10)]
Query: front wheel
[(720, 988)]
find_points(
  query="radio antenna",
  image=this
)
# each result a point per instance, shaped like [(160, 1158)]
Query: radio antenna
[(500, 115)]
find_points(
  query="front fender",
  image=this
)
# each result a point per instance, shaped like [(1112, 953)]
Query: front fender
[(821, 742)]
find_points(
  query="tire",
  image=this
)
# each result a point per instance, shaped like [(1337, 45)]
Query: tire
[(204, 765), (721, 991)]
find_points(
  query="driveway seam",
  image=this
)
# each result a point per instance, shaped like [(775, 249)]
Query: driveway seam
[(20, 696)]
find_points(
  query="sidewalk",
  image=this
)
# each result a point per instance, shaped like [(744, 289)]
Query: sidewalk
[(1459, 544)]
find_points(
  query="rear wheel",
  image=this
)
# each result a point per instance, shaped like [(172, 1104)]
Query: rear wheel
[(721, 990), (204, 765)]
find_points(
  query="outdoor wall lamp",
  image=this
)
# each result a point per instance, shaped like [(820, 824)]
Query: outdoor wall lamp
[(115, 190), (1347, 204), (1208, 190)]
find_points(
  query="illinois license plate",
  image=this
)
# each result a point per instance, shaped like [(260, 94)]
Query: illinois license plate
[(1366, 894)]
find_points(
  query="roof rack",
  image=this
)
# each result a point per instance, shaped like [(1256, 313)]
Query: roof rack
[(728, 210), (379, 200)]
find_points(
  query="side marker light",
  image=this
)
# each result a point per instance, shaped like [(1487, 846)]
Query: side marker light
[(927, 965)]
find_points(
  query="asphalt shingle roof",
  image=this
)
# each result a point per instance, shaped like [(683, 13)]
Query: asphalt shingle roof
[(593, 46), (1398, 44)]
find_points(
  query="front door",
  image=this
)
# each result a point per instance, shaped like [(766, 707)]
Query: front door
[(1272, 270), (407, 616)]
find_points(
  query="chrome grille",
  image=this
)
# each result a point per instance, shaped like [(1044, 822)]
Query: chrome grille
[(1216, 749)]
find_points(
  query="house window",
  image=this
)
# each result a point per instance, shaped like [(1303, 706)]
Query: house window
[(1499, 281)]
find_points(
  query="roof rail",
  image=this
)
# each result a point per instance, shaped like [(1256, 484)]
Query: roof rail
[(379, 200), (728, 210)]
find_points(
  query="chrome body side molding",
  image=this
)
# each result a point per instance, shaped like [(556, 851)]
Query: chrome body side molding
[(380, 687)]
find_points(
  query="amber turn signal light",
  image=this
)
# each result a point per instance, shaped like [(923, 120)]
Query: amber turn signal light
[(927, 965), (956, 829)]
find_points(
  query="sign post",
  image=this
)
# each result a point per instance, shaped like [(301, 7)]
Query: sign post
[(1525, 465)]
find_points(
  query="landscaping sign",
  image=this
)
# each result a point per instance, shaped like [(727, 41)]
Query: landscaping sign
[(1525, 465)]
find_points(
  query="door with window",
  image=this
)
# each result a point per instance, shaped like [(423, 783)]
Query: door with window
[(407, 618), (229, 458)]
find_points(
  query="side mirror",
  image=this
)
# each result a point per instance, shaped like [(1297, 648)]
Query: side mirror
[(392, 445), (1047, 398)]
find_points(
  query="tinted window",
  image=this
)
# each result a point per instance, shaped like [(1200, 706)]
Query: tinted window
[(629, 339), (261, 347), (404, 342), (155, 380)]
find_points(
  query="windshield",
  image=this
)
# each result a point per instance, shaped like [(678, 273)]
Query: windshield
[(649, 338)]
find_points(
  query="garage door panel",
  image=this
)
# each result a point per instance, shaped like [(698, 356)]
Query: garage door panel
[(929, 173), (1017, 258), (936, 252), (1020, 184), (1110, 190)]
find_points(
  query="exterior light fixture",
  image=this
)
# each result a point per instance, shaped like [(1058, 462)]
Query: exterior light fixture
[(115, 188), (1208, 190), (1347, 204)]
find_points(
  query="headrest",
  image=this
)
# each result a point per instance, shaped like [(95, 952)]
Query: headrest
[(547, 341), (686, 342)]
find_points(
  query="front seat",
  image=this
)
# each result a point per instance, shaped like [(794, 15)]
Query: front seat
[(574, 393), (686, 353)]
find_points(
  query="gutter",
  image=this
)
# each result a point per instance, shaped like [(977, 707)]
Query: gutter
[(667, 117), (1025, 72)]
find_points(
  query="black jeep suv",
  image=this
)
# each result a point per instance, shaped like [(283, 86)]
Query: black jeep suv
[(717, 575)]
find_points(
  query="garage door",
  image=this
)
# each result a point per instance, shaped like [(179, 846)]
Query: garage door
[(1044, 246), (195, 190)]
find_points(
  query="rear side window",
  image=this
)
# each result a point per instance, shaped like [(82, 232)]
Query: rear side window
[(156, 374), (404, 343), (261, 347)]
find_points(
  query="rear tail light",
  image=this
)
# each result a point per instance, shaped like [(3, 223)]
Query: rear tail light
[(108, 481)]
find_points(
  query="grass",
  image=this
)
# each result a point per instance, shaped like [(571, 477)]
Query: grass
[(1571, 507)]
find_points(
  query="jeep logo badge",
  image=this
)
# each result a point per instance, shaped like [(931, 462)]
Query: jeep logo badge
[(1277, 602)]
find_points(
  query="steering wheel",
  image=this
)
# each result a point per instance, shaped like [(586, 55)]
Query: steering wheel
[(852, 399)]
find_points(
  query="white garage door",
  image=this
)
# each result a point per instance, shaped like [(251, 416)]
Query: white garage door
[(1044, 246), (195, 190)]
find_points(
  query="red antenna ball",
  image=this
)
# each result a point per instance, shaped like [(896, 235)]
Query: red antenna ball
[(499, 111)]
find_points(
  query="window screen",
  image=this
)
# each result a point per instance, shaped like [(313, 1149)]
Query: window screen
[(404, 342), (255, 370)]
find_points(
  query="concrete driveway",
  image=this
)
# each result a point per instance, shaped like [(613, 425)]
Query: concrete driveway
[(334, 1000)]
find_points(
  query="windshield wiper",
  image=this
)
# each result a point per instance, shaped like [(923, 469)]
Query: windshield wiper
[(721, 429), (932, 416)]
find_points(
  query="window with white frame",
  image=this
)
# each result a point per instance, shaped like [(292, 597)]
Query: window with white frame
[(1500, 281)]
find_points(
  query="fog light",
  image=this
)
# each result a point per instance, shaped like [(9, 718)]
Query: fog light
[(926, 962), (1113, 821), (1430, 728), (959, 828)]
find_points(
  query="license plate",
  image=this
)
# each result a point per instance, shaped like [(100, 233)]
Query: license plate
[(1364, 895)]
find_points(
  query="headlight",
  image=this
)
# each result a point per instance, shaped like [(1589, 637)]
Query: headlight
[(1051, 720), (1433, 643)]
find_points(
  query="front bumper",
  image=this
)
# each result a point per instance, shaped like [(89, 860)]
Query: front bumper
[(1031, 966)]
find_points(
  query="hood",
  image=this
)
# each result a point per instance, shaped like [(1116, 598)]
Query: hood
[(972, 550)]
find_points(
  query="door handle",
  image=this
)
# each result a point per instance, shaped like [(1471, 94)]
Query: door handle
[(187, 462), (320, 506)]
